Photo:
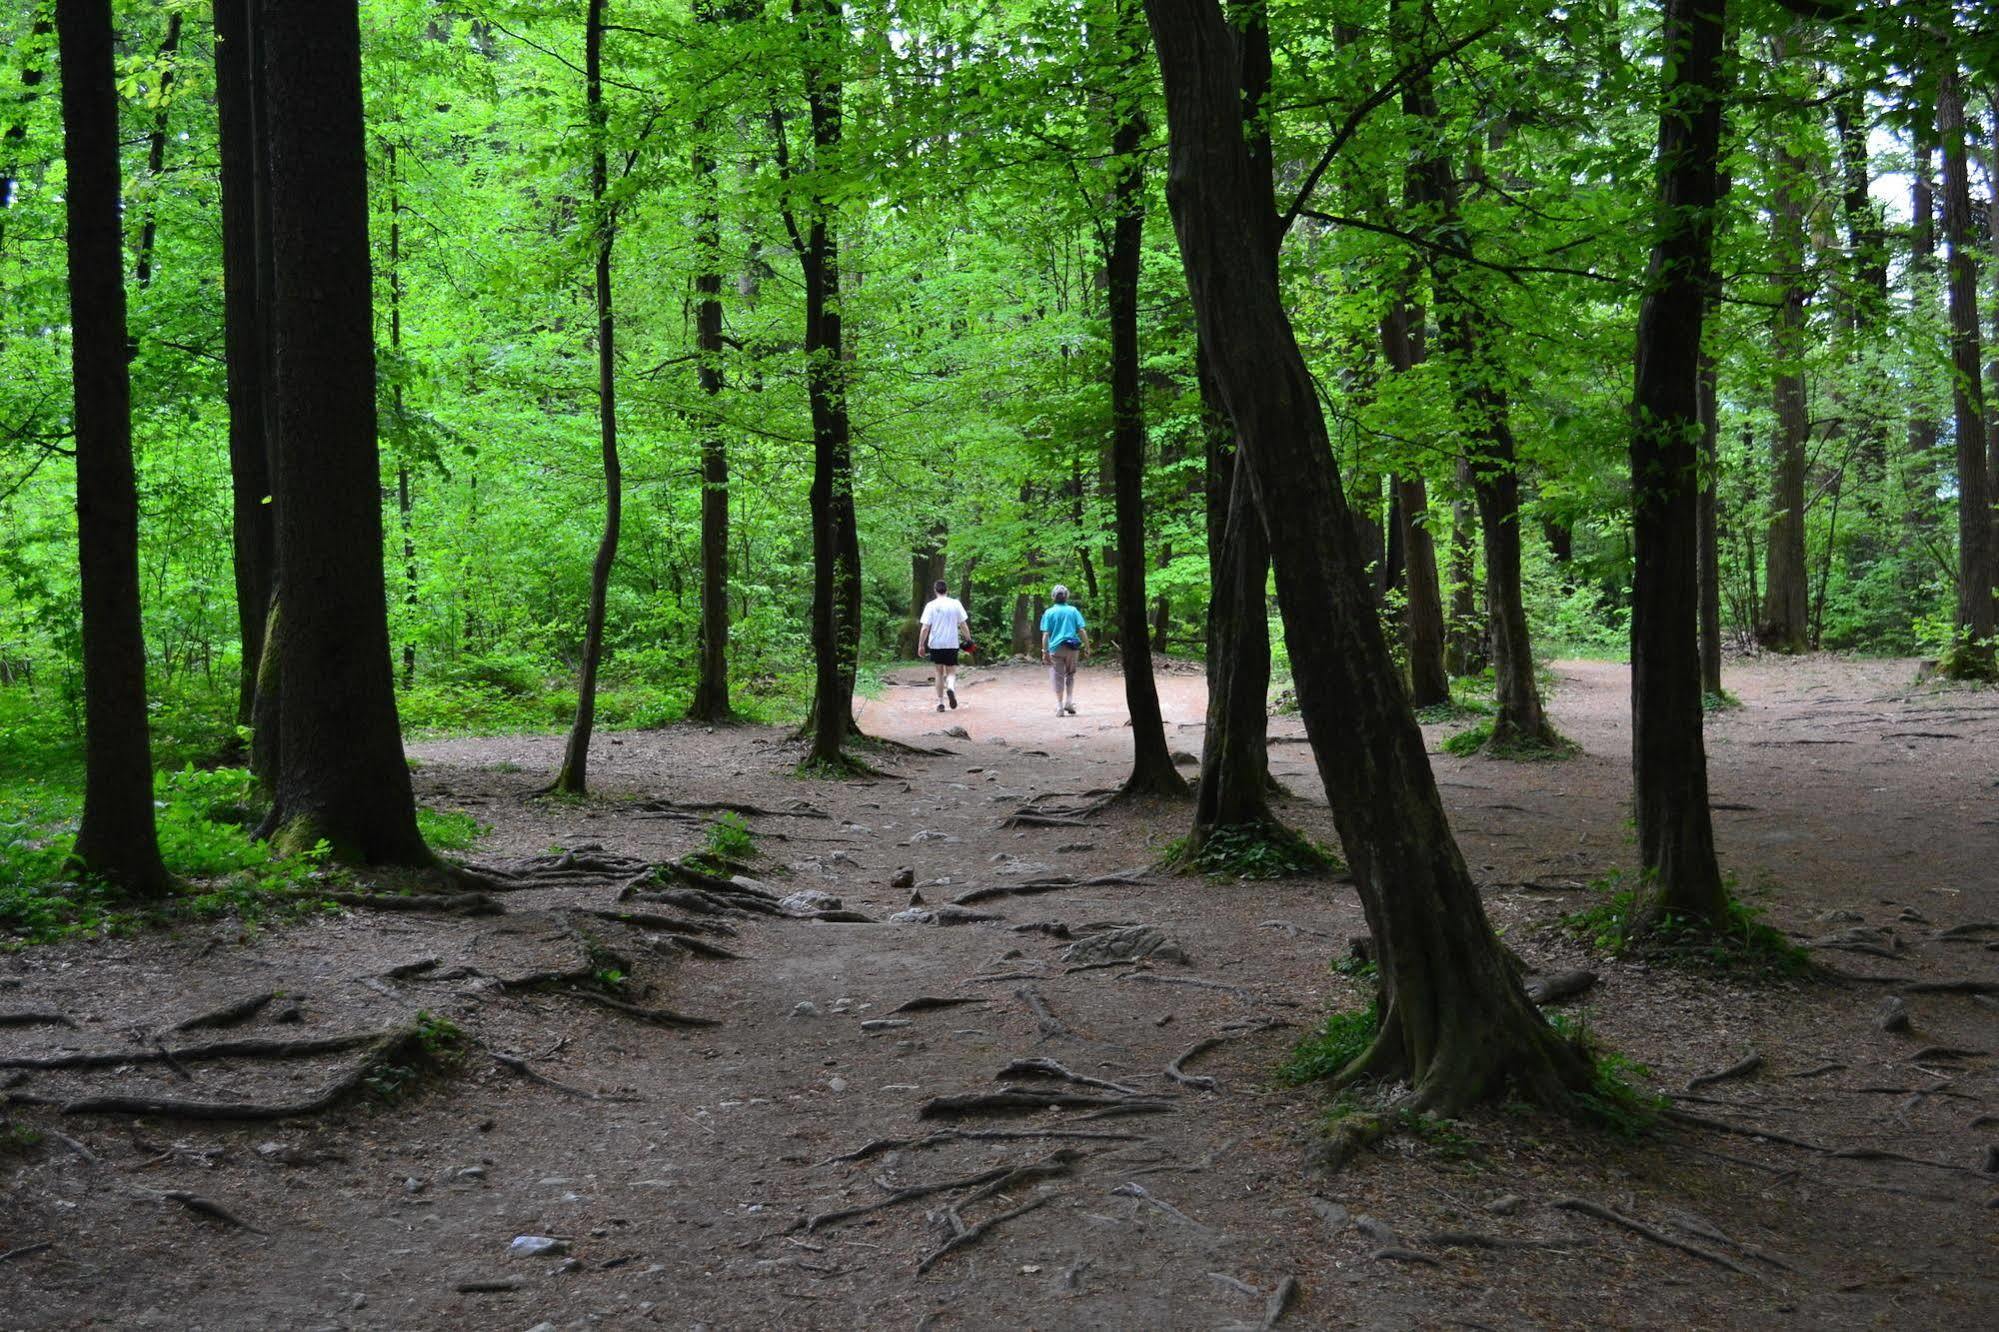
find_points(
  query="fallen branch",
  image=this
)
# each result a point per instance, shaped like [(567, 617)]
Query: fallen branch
[(1601, 1213)]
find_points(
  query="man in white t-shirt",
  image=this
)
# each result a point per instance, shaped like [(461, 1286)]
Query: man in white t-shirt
[(943, 634)]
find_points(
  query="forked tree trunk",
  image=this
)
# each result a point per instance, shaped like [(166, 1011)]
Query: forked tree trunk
[(342, 779), (116, 841), (1974, 498), (1784, 625), (1152, 771), (1234, 790), (1680, 878), (574, 774), (1482, 402), (243, 340), (1455, 1021)]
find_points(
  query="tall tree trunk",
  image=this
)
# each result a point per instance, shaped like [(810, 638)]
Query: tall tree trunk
[(1234, 790), (835, 539), (1680, 878), (574, 774), (1464, 637), (244, 337), (1152, 771), (1423, 607), (156, 158), (1481, 398), (404, 511), (1975, 536), (1785, 621), (116, 841), (342, 778), (1455, 1021), (1707, 540), (711, 670)]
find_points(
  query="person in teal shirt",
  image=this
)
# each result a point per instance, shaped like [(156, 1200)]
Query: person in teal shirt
[(1062, 642)]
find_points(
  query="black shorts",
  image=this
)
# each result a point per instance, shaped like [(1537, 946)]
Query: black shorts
[(944, 656)]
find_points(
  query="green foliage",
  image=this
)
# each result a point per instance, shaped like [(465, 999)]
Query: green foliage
[(730, 838), (1345, 1037), (1469, 741), (1742, 943), (1253, 851), (1720, 702), (449, 829), (1614, 1101), (17, 1139), (441, 1039)]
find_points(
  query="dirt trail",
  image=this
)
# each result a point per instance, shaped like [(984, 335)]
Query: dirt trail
[(1846, 800)]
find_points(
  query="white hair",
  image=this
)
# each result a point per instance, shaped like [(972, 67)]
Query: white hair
[(1060, 593)]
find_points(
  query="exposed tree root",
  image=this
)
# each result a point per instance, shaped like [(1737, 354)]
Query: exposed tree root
[(1616, 1218), (967, 1236), (1034, 887), (1049, 1068), (1472, 1239), (1044, 1017), (659, 1017), (1060, 1162), (944, 1137), (652, 920), (243, 1049), (236, 1010), (453, 904), (404, 1045), (1559, 986), (1741, 1068), (1154, 978), (520, 1066), (796, 809), (36, 1018), (1951, 987), (1177, 1070), (1132, 1189), (1023, 1100), (925, 1003), (194, 1202), (1279, 1302), (1836, 1153), (26, 1250)]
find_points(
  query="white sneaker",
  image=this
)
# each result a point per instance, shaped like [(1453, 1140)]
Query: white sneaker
[(1069, 708), (940, 707), (1058, 709)]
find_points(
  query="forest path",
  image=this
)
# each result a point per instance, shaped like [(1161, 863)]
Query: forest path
[(1847, 801)]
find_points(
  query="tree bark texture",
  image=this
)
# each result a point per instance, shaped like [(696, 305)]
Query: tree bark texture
[(1423, 606), (1680, 878), (342, 778), (1708, 553), (574, 775), (711, 671), (1455, 1020), (1784, 626), (244, 335), (116, 841), (1975, 537)]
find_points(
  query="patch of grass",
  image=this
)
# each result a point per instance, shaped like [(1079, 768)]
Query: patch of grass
[(1742, 943), (17, 1139), (442, 1039), (449, 829), (730, 838), (1469, 741), (1721, 701), (1477, 740), (1345, 1037), (1358, 967), (1253, 851), (1613, 1101)]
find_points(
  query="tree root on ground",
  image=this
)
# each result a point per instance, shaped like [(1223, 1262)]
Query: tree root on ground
[(1034, 887), (944, 1137), (926, 1002), (1472, 1239), (1029, 1100), (1561, 985), (1741, 1068), (452, 904), (1154, 978), (402, 1045), (1060, 1162), (659, 1017), (687, 929), (797, 809), (1973, 987), (194, 1202), (1616, 1218), (964, 1236), (1279, 1302), (1176, 1071), (1049, 1068), (1044, 1017), (1837, 1153), (520, 1066), (236, 1010), (36, 1018), (241, 1049)]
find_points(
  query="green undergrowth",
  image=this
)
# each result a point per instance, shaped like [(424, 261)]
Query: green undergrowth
[(1477, 740), (1719, 701), (730, 838), (1743, 944), (1252, 851), (1345, 1037), (1614, 1102), (439, 1046)]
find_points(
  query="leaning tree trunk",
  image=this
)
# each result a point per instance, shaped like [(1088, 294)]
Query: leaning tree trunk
[(1680, 878), (1455, 1021), (342, 779), (243, 341), (1152, 771), (711, 671), (1974, 500), (1475, 379), (1423, 605), (1784, 626), (116, 841), (574, 774), (1234, 790)]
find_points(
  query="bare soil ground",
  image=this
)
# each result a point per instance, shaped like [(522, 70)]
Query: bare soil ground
[(678, 1167)]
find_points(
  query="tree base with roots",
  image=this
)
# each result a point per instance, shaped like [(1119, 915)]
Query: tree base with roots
[(1497, 740), (1265, 849)]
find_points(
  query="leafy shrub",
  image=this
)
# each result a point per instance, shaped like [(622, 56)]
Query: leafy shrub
[(730, 838), (1345, 1037)]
